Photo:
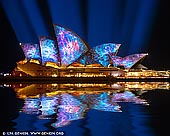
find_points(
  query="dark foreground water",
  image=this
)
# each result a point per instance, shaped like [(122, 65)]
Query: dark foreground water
[(119, 109)]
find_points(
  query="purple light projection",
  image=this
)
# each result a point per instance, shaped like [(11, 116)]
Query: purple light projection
[(127, 61), (71, 46)]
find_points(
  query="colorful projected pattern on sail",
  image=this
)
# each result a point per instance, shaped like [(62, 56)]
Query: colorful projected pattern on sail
[(82, 60), (49, 51), (93, 57), (87, 59), (71, 47), (107, 48), (128, 61), (31, 51), (101, 53), (117, 60)]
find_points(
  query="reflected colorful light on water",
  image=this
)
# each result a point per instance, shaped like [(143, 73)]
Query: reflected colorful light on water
[(68, 107), (127, 97), (79, 109), (100, 102)]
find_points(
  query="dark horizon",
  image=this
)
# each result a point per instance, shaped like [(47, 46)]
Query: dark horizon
[(157, 48)]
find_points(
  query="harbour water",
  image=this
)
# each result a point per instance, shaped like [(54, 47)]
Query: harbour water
[(117, 109)]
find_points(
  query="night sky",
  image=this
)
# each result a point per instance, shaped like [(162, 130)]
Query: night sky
[(157, 46), (10, 52)]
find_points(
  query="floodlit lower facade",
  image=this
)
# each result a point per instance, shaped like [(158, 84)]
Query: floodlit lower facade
[(68, 55)]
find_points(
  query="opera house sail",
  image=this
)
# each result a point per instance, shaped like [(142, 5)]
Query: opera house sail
[(31, 51), (100, 54), (128, 61), (49, 52), (67, 55), (70, 45)]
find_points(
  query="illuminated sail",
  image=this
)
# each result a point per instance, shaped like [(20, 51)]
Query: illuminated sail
[(31, 51), (49, 50), (128, 61), (117, 60), (107, 48), (87, 59), (100, 54), (70, 45)]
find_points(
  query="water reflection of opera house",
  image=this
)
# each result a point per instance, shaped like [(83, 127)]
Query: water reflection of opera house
[(34, 90), (68, 55), (64, 103)]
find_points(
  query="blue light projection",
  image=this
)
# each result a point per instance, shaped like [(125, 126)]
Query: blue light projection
[(143, 22), (70, 45), (49, 50), (73, 9), (26, 19), (31, 51), (127, 61), (127, 22)]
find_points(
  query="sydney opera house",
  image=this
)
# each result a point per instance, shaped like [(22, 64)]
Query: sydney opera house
[(67, 55)]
